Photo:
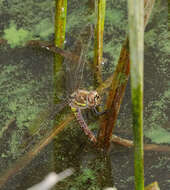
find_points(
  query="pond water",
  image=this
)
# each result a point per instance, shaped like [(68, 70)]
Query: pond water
[(27, 96)]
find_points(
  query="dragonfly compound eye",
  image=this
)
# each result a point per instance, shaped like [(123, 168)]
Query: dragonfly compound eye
[(97, 99)]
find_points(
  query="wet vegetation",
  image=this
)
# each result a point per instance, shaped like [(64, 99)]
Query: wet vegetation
[(26, 90)]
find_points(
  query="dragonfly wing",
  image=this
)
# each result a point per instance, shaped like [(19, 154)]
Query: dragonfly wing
[(74, 61), (43, 122), (81, 48)]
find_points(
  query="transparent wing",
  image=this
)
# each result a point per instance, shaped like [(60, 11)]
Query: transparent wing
[(74, 60), (81, 47), (42, 124)]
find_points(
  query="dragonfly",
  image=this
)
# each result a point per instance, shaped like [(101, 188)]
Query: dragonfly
[(79, 99)]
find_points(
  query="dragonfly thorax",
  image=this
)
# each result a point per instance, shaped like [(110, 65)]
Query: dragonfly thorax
[(84, 99)]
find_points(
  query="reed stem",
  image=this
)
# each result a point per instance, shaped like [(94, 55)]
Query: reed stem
[(136, 43), (98, 44), (60, 27)]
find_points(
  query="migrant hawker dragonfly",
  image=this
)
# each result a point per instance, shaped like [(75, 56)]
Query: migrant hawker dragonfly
[(79, 99)]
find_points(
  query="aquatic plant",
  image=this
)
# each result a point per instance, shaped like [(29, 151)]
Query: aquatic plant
[(136, 43), (98, 41), (60, 30)]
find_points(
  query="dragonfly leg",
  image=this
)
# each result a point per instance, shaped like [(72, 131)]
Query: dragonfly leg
[(99, 113)]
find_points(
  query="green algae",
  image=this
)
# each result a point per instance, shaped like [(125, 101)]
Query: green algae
[(158, 135), (150, 37), (28, 13), (73, 22), (27, 21), (22, 97), (16, 36), (153, 129), (44, 28), (16, 95), (19, 36), (116, 16), (113, 48), (14, 151), (87, 174)]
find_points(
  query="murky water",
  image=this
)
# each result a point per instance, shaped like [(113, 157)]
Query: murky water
[(26, 90)]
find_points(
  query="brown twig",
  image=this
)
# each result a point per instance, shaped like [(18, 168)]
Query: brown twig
[(147, 147), (50, 47), (122, 141), (148, 4), (115, 96)]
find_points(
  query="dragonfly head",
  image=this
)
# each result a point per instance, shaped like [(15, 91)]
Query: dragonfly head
[(94, 99)]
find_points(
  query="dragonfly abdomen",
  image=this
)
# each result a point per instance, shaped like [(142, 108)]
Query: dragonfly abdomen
[(83, 125), (83, 99)]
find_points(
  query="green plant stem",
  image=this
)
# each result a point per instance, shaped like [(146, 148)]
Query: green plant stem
[(98, 44), (136, 42), (60, 27)]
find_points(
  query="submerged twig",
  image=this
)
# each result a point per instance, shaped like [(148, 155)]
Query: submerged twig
[(52, 48), (121, 141), (147, 147)]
